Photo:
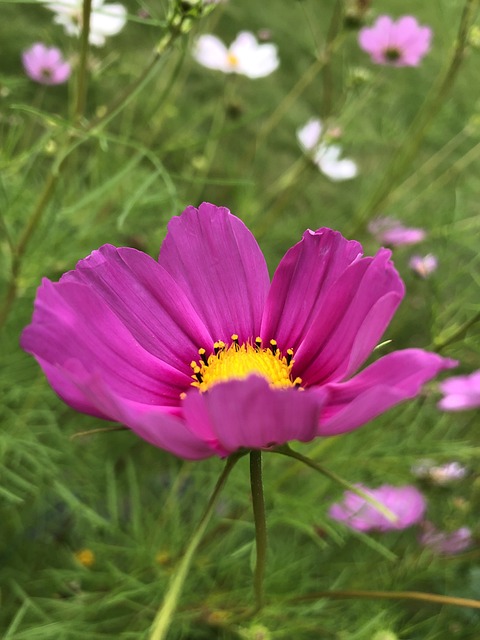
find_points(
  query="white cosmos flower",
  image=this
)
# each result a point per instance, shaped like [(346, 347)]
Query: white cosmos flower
[(105, 19), (325, 156), (244, 56)]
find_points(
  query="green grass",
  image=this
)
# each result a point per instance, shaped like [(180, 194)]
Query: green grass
[(193, 134)]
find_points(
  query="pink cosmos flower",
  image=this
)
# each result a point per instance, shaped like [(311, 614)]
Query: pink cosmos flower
[(45, 64), (393, 233), (423, 265), (461, 392), (244, 56), (443, 543), (401, 44), (201, 355), (407, 503), (442, 474)]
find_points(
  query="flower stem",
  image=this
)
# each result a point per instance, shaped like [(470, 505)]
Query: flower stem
[(391, 595), (164, 615), (405, 154), (81, 95), (258, 502), (313, 464)]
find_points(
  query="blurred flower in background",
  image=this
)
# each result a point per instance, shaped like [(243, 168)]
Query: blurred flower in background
[(45, 65), (461, 392), (325, 155), (400, 44), (407, 503), (245, 55), (393, 233), (105, 20), (442, 474), (423, 265), (443, 543)]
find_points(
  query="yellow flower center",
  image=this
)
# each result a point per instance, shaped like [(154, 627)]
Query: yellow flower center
[(238, 361), (232, 59)]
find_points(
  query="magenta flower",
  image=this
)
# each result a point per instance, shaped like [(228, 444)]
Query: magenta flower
[(443, 543), (401, 44), (45, 64), (461, 392), (200, 355), (393, 233), (406, 503)]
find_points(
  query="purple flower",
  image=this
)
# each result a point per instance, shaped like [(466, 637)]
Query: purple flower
[(401, 44), (392, 232), (443, 543), (461, 392), (407, 503), (423, 265), (201, 355), (45, 64)]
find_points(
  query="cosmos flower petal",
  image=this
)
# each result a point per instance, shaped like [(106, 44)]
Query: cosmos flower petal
[(301, 283), (257, 415), (309, 135), (354, 315), (210, 52), (461, 392), (385, 383), (217, 262), (68, 336), (153, 423), (157, 312), (254, 60)]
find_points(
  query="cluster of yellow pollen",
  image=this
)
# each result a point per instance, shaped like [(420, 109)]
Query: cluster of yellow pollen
[(232, 59), (238, 361)]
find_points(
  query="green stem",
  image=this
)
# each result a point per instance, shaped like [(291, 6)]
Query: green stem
[(81, 95), (164, 615), (313, 464), (258, 502), (441, 342), (391, 595), (327, 75), (418, 129)]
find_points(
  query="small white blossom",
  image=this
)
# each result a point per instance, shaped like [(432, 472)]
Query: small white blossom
[(244, 56), (105, 19), (326, 156)]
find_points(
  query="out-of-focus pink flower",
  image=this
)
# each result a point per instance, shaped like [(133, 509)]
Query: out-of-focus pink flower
[(441, 474), (105, 19), (423, 265), (326, 156), (443, 543), (407, 503), (244, 56), (201, 355), (402, 43), (393, 233), (461, 392), (45, 64)]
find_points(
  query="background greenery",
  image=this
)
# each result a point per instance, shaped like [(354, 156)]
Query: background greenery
[(194, 134)]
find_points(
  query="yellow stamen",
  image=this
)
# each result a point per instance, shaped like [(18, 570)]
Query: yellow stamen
[(238, 361), (232, 59)]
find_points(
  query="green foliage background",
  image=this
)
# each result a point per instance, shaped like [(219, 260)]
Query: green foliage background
[(192, 135)]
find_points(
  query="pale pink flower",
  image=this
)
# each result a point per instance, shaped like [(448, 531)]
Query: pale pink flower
[(406, 503), (45, 64), (393, 233), (326, 156), (443, 543), (461, 392), (441, 474), (244, 56), (400, 44), (423, 265)]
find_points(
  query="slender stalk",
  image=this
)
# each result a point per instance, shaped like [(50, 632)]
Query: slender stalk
[(313, 464), (440, 342), (82, 76), (163, 618), (391, 595), (258, 502), (419, 127), (327, 75)]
